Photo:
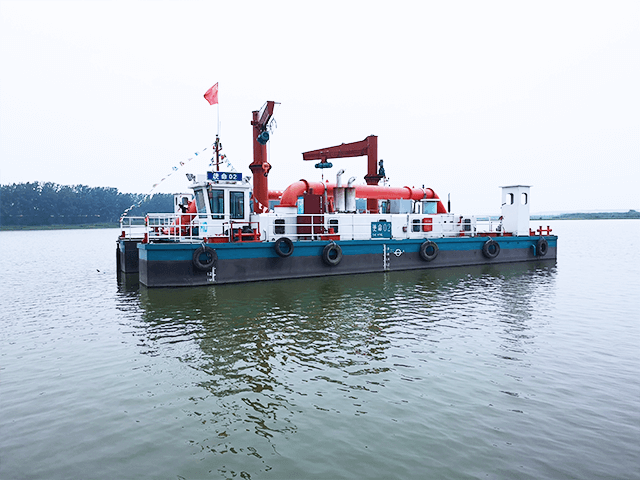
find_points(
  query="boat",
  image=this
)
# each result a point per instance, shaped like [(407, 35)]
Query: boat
[(231, 228)]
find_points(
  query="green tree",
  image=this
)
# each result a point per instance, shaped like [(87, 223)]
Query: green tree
[(40, 204)]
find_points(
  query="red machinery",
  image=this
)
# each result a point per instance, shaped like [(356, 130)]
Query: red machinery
[(368, 147), (260, 166), (370, 192)]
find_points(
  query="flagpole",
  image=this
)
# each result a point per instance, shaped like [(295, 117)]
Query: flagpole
[(211, 96)]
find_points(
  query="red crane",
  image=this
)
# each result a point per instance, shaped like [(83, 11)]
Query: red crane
[(368, 147), (260, 166)]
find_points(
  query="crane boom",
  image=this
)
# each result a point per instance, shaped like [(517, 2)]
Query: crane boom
[(355, 149), (368, 147)]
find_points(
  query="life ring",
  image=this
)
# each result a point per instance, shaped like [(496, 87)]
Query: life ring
[(278, 247), (211, 254), (429, 250), (542, 247), (491, 248), (332, 254)]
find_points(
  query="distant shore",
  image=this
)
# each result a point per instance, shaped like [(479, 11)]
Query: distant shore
[(631, 214), (86, 226)]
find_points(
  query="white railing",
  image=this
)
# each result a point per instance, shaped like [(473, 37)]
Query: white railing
[(185, 227), (299, 227), (487, 224), (172, 226), (358, 227), (132, 228)]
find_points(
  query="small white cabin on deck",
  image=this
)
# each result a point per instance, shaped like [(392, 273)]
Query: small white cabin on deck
[(515, 209)]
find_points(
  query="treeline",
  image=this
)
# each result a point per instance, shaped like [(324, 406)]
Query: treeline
[(42, 204), (589, 216)]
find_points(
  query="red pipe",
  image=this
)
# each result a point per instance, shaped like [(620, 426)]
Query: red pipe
[(371, 192), (297, 189)]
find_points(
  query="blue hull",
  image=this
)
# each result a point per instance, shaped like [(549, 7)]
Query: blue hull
[(173, 264)]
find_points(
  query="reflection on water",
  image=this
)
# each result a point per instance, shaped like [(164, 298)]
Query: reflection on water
[(509, 371), (267, 352)]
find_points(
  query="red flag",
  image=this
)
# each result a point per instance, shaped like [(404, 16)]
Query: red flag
[(212, 95)]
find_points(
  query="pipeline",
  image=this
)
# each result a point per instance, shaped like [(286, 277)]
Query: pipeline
[(375, 192)]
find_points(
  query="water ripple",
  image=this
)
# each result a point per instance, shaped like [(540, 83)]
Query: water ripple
[(521, 371)]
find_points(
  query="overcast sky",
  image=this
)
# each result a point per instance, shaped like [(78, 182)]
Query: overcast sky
[(464, 96)]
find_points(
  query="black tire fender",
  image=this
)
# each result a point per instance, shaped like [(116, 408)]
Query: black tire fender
[(212, 258), (542, 247), (491, 248), (332, 254), (429, 250), (278, 247)]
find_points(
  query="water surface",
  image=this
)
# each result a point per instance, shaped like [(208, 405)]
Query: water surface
[(509, 371)]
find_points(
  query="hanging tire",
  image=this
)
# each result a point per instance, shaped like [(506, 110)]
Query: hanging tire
[(287, 250), (491, 248), (542, 247), (209, 262), (332, 254), (429, 250)]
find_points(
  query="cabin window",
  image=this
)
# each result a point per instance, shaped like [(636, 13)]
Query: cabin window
[(236, 202), (216, 197), (333, 223), (416, 225), (524, 198), (181, 203), (510, 198), (200, 203), (279, 226)]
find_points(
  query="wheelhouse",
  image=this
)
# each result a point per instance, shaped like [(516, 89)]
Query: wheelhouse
[(223, 198)]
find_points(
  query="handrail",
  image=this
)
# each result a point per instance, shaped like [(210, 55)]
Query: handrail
[(172, 226), (132, 228), (300, 227)]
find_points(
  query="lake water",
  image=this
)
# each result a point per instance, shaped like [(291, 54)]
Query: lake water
[(502, 372)]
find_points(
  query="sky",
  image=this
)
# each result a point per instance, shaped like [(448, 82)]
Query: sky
[(464, 96)]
